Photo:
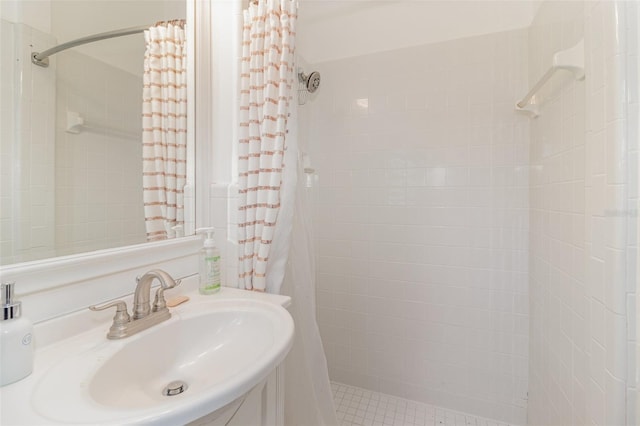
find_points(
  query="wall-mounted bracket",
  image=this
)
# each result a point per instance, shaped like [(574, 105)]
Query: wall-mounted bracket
[(571, 60), (74, 122)]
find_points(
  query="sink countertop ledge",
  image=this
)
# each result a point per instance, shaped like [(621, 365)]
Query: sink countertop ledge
[(86, 331)]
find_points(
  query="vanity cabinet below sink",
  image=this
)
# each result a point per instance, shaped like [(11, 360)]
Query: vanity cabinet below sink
[(216, 361), (250, 409)]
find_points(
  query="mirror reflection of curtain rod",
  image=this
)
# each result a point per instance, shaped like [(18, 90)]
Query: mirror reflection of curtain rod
[(42, 59)]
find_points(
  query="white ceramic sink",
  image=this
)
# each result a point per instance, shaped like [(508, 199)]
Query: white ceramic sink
[(219, 348), (202, 351)]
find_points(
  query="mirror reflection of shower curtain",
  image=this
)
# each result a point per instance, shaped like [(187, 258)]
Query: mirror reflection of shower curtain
[(164, 129)]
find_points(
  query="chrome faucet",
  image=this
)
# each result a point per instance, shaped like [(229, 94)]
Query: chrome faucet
[(144, 316)]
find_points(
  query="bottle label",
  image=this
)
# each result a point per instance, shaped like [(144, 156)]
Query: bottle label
[(26, 340), (210, 273), (212, 270)]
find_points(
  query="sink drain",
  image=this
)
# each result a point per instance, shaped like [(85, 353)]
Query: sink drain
[(175, 388)]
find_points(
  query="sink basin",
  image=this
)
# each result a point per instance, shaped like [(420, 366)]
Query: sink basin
[(218, 350)]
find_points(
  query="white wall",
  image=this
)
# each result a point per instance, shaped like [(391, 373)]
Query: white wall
[(8, 130), (559, 305), (583, 278), (422, 222), (26, 147), (34, 13), (632, 14), (72, 19), (633, 134), (334, 29), (98, 191), (219, 159)]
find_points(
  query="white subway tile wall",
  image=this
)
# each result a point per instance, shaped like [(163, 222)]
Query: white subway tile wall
[(580, 289), (558, 293), (422, 222), (99, 170), (27, 107), (224, 218), (7, 149), (609, 241), (633, 133)]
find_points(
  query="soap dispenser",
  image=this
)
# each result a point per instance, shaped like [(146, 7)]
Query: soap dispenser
[(209, 264), (16, 339)]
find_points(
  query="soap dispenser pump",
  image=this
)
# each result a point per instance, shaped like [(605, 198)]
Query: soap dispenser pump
[(16, 339), (209, 264)]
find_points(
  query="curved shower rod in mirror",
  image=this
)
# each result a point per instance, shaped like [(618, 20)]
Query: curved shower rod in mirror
[(42, 58)]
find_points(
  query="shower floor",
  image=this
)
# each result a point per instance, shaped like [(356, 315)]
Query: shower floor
[(361, 407)]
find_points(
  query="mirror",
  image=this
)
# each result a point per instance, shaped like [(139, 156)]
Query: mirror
[(71, 134)]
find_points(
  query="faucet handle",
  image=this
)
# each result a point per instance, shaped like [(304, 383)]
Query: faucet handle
[(121, 317), (159, 303)]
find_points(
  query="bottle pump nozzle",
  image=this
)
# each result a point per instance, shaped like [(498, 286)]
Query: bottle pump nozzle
[(209, 241), (10, 306)]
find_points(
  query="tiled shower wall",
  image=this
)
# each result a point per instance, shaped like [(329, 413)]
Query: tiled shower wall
[(631, 64), (51, 211), (98, 170), (558, 290), (27, 105), (633, 135), (422, 222), (582, 268)]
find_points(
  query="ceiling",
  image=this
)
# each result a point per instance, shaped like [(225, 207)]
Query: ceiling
[(332, 29)]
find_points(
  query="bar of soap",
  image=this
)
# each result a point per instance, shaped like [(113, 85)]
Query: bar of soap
[(176, 301)]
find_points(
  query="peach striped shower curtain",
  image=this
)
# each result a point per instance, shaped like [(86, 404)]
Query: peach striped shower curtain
[(266, 83), (164, 128)]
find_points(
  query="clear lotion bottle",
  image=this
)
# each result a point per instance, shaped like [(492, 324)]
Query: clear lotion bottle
[(209, 264), (16, 339)]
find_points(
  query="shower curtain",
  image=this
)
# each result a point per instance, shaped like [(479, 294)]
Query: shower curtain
[(308, 398), (164, 129), (273, 251), (265, 96)]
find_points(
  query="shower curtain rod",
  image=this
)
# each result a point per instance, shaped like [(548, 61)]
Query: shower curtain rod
[(42, 59)]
